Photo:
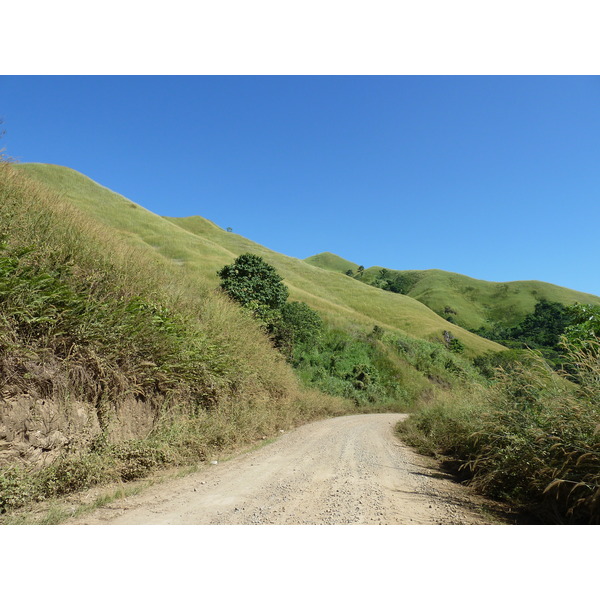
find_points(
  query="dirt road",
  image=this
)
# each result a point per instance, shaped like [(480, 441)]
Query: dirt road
[(348, 470)]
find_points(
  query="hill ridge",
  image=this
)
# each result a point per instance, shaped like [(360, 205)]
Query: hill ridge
[(470, 302)]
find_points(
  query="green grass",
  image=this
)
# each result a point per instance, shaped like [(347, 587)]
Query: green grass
[(198, 248), (331, 262), (478, 303), (475, 303)]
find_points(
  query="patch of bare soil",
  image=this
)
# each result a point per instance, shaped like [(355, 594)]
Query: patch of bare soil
[(347, 470)]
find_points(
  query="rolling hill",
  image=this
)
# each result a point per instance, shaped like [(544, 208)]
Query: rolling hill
[(200, 248), (472, 303)]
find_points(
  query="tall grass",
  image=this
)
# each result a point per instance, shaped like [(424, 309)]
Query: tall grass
[(164, 369), (532, 437)]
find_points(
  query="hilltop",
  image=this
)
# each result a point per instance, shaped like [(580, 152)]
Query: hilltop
[(468, 302), (331, 262)]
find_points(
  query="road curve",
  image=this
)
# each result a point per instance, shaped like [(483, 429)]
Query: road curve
[(347, 470)]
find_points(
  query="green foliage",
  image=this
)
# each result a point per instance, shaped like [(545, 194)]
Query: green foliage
[(15, 488), (584, 325), (391, 281), (257, 286), (491, 363), (530, 438), (540, 330), (377, 368), (398, 283), (137, 458), (434, 360), (544, 326), (377, 333), (452, 343), (300, 324), (252, 282), (473, 303), (353, 366), (456, 346)]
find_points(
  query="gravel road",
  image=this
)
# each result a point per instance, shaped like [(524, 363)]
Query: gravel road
[(347, 470)]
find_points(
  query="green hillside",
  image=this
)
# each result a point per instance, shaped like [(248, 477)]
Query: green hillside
[(112, 362), (470, 303), (331, 262), (200, 248), (477, 303)]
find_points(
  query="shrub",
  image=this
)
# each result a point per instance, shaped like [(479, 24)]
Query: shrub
[(252, 282), (299, 324)]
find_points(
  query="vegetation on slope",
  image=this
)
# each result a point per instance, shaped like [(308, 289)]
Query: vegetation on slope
[(529, 437), (200, 248), (113, 362), (541, 330), (377, 371), (471, 303)]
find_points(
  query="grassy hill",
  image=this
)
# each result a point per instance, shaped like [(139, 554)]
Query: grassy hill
[(200, 248), (472, 303), (113, 362), (331, 262)]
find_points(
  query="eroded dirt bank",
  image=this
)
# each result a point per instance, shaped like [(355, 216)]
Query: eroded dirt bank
[(347, 470)]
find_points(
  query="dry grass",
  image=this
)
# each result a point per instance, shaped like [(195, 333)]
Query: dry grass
[(532, 438)]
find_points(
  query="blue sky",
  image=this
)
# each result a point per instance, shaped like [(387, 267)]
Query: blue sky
[(490, 176)]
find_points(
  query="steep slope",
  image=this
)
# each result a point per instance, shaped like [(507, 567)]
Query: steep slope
[(112, 362), (200, 248), (471, 303)]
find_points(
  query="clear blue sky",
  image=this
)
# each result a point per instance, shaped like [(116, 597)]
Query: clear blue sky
[(494, 177)]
